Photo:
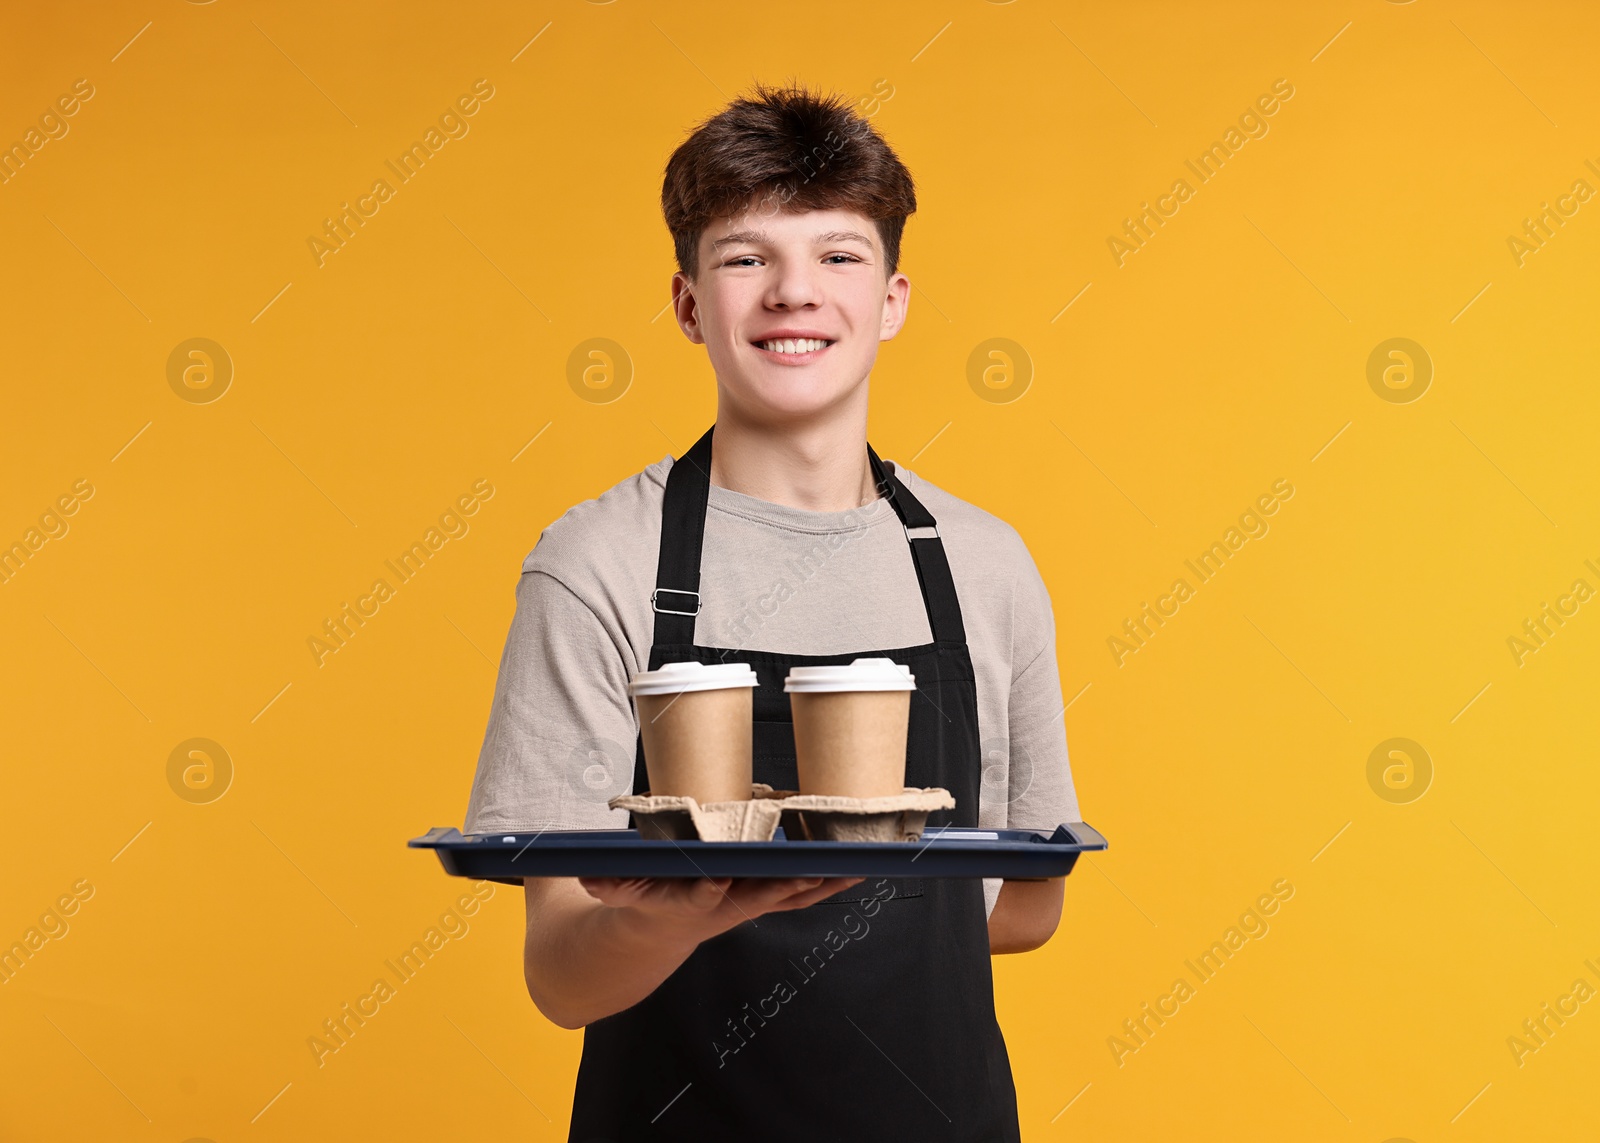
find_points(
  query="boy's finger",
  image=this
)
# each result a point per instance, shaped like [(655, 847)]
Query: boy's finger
[(707, 892), (763, 892), (820, 892)]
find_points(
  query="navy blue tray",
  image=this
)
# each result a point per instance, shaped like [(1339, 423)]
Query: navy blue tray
[(941, 852)]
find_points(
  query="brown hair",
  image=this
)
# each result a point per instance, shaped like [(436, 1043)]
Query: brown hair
[(785, 148)]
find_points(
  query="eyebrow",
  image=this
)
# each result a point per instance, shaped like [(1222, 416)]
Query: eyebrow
[(761, 237)]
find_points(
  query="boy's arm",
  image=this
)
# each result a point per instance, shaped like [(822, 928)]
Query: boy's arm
[(561, 731), (552, 755), (1040, 793), (1025, 915), (597, 946)]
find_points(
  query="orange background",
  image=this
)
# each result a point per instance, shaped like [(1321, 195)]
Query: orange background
[(1165, 395)]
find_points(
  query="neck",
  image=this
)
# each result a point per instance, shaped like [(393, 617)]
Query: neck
[(819, 465)]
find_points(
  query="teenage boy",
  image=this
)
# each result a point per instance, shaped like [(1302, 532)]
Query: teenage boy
[(781, 1009)]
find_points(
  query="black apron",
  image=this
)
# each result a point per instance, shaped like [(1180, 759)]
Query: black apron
[(869, 1015)]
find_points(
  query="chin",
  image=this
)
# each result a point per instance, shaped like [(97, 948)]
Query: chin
[(771, 402), (777, 394)]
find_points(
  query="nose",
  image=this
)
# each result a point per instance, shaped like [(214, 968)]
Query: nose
[(793, 285)]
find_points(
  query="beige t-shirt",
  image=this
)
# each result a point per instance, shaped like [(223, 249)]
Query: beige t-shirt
[(562, 730)]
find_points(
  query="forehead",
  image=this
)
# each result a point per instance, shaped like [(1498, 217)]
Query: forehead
[(818, 227)]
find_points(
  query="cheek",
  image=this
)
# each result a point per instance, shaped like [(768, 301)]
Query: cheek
[(724, 315)]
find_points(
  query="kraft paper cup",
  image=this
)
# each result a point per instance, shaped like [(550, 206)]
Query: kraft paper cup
[(696, 724), (850, 725)]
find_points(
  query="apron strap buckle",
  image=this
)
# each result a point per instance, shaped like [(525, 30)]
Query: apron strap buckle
[(929, 532), (674, 591)]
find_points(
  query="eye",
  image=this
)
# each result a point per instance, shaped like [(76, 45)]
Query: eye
[(847, 257), (741, 258)]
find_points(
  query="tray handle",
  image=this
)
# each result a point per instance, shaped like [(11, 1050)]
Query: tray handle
[(435, 836), (1082, 834)]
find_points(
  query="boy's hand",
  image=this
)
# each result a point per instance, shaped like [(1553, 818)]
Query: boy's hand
[(597, 945), (701, 908)]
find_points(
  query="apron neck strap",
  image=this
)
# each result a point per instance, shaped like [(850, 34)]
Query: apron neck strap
[(676, 599)]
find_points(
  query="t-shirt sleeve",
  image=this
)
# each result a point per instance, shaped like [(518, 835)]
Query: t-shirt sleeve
[(1038, 790), (562, 729), (1040, 793)]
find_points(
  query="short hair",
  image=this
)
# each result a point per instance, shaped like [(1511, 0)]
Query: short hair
[(785, 148)]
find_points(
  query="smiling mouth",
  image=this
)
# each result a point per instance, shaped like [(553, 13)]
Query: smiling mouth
[(793, 346)]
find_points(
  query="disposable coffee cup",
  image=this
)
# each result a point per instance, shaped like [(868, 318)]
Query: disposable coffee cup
[(850, 725), (696, 722)]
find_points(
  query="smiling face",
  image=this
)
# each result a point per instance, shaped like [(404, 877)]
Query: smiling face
[(791, 308)]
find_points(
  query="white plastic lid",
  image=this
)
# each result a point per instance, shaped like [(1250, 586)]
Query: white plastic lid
[(860, 675), (675, 678)]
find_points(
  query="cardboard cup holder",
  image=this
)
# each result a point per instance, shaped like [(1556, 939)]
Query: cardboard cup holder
[(804, 817), (670, 817)]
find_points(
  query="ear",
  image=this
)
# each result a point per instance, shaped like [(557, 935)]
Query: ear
[(896, 306), (686, 308)]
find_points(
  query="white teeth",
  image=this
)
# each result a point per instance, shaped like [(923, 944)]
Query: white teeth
[(794, 345)]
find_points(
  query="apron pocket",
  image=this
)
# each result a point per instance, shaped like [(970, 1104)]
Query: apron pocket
[(885, 890)]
